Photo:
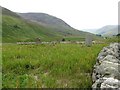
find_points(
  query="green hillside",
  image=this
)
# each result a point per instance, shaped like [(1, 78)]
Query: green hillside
[(15, 28)]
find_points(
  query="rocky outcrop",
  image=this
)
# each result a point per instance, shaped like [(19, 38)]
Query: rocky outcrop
[(106, 73)]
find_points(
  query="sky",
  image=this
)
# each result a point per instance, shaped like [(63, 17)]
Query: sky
[(80, 14)]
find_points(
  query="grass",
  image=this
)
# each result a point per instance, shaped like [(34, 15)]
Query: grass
[(48, 66), (112, 39), (75, 38), (16, 29), (0, 66)]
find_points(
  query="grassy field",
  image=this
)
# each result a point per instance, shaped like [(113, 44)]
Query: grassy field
[(0, 65), (48, 66)]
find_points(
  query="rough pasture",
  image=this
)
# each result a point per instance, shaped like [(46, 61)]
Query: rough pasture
[(45, 65)]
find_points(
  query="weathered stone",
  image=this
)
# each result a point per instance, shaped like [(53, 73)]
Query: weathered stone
[(110, 83), (111, 58), (88, 40), (106, 73)]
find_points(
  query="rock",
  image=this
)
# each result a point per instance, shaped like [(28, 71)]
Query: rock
[(106, 74), (111, 58), (110, 83)]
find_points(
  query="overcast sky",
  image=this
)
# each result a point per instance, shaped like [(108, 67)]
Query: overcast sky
[(80, 14)]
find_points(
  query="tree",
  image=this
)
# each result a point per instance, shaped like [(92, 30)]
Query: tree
[(63, 39), (98, 35), (118, 34)]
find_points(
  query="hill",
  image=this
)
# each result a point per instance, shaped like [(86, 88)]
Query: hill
[(16, 28), (8, 12), (45, 19), (58, 25), (108, 30)]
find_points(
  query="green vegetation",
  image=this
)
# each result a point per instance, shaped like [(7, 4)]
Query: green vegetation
[(60, 65), (75, 38), (15, 29), (0, 66), (112, 39), (45, 65)]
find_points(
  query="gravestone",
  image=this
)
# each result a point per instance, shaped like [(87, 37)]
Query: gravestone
[(88, 40)]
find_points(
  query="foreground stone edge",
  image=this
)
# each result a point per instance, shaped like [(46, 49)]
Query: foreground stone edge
[(106, 73)]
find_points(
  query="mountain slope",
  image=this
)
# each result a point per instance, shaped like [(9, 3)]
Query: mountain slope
[(16, 28), (45, 18), (108, 30), (53, 22), (8, 12)]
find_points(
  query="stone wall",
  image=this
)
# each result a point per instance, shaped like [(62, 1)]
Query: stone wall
[(106, 73)]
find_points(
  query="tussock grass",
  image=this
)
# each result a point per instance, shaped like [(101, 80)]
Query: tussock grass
[(58, 66)]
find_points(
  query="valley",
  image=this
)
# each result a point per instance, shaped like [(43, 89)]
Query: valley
[(42, 51)]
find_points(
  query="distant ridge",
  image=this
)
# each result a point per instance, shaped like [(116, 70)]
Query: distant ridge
[(108, 30)]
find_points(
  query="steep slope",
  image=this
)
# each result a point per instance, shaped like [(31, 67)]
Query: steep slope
[(108, 30), (16, 28), (45, 18), (57, 24), (8, 12)]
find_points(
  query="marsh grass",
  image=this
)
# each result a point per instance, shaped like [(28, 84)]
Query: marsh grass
[(47, 66)]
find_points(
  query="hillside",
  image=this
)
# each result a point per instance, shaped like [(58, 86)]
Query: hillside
[(8, 12), (48, 28), (58, 25), (45, 19), (108, 30), (17, 29)]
